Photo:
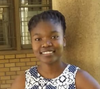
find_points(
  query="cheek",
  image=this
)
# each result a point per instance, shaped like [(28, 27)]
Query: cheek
[(59, 45), (60, 42), (35, 46)]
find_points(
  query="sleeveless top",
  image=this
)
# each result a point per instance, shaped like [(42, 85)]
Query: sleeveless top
[(66, 80)]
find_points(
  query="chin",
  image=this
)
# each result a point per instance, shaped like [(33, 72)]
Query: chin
[(48, 60)]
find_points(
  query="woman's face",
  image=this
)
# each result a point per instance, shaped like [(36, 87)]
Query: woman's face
[(47, 41)]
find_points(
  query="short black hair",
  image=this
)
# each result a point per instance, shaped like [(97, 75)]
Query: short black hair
[(50, 15)]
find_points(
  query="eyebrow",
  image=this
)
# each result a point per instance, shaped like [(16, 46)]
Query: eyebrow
[(54, 32), (37, 34)]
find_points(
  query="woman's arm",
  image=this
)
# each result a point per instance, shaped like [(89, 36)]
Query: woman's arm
[(19, 83), (86, 81)]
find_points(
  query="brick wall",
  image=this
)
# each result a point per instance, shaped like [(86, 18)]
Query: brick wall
[(13, 65)]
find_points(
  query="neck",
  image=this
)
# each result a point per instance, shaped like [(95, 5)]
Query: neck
[(51, 70)]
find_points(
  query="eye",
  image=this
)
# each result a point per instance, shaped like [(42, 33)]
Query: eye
[(55, 37), (38, 39)]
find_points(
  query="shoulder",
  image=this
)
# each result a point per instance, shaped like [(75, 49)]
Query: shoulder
[(85, 81), (19, 82)]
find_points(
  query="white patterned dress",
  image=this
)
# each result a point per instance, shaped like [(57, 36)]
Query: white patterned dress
[(66, 80)]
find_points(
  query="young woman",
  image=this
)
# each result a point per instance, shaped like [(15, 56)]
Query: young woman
[(47, 31)]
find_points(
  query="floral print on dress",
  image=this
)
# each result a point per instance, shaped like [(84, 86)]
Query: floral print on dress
[(66, 80)]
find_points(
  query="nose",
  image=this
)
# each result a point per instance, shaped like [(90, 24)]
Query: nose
[(47, 44)]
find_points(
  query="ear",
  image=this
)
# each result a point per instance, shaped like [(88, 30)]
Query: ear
[(64, 40)]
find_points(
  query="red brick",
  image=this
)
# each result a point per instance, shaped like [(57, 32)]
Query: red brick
[(31, 55), (1, 65), (9, 56), (9, 81), (5, 86), (10, 65), (20, 64), (25, 60), (25, 68), (31, 63), (15, 69), (5, 77), (34, 59), (1, 56), (4, 69), (4, 61), (10, 73), (20, 56), (14, 60), (2, 74)]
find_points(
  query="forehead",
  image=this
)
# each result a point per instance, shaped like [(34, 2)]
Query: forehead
[(45, 27)]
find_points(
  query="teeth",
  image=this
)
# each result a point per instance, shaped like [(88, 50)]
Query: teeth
[(48, 52)]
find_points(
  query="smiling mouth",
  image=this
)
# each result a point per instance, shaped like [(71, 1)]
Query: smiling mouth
[(47, 52)]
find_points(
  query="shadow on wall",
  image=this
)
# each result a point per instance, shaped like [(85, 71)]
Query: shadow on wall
[(77, 32)]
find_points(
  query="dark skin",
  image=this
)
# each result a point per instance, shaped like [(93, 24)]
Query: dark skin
[(48, 36)]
